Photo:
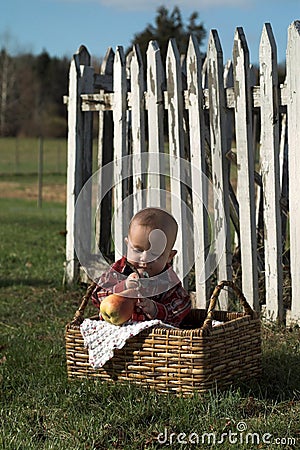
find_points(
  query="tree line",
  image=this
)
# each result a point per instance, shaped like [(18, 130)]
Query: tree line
[(31, 93), (32, 86)]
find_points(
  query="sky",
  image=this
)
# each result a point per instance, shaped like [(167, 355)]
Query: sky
[(61, 26)]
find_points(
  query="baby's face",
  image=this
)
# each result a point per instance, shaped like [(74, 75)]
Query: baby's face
[(147, 249)]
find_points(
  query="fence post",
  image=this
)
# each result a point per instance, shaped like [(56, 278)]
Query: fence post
[(40, 172), (293, 108), (269, 152), (245, 164), (79, 167)]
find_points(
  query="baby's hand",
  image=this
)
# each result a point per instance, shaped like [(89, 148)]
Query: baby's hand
[(132, 281), (148, 307)]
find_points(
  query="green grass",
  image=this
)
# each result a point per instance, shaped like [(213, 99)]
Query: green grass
[(41, 409), (21, 155)]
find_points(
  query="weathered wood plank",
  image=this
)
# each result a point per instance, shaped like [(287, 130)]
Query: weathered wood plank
[(105, 156), (293, 107), (220, 164), (176, 152), (245, 165), (155, 103), (120, 151), (269, 152), (98, 102), (138, 130), (79, 155), (199, 180)]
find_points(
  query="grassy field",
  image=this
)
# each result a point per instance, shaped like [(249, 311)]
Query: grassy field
[(41, 409), (21, 156)]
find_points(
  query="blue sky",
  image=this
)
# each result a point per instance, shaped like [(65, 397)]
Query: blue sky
[(61, 26)]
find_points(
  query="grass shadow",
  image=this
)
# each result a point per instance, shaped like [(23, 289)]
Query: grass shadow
[(280, 379), (33, 282)]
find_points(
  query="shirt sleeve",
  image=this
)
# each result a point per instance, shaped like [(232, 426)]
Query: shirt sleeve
[(173, 306), (110, 282)]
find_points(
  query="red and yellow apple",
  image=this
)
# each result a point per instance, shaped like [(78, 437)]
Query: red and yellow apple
[(118, 308)]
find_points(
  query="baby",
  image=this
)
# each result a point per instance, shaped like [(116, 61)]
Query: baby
[(147, 268)]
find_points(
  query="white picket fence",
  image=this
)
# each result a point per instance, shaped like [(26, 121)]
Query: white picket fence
[(188, 118)]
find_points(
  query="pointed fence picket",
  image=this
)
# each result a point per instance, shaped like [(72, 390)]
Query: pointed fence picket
[(182, 136), (138, 129), (197, 159), (293, 114), (245, 166), (79, 167), (155, 107), (120, 151), (220, 165), (269, 154), (176, 152)]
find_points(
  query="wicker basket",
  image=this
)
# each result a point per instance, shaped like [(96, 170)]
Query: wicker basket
[(181, 361)]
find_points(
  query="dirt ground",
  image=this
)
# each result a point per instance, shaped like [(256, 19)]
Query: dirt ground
[(50, 193)]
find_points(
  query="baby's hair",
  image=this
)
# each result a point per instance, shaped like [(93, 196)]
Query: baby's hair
[(157, 218)]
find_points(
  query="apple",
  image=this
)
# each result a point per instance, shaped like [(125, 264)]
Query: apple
[(118, 308)]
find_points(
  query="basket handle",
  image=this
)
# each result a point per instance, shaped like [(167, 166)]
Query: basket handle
[(207, 325), (78, 317)]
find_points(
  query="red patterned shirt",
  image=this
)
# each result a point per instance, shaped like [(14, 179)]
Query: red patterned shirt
[(172, 301)]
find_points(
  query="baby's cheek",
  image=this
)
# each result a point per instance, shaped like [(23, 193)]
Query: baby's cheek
[(158, 265)]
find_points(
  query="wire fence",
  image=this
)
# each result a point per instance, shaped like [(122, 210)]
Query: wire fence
[(30, 156)]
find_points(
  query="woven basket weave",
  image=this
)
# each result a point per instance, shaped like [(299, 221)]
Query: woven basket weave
[(181, 361)]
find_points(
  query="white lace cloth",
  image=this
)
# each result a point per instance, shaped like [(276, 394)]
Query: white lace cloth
[(101, 338)]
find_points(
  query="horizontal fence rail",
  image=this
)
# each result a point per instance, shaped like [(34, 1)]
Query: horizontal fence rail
[(215, 144)]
